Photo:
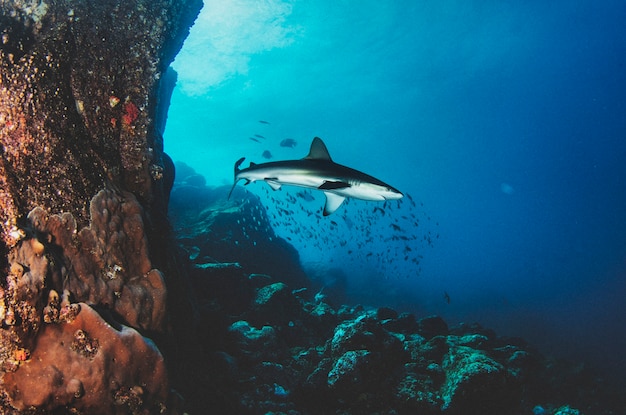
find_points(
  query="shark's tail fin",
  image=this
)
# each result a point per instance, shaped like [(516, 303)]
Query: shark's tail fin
[(237, 170)]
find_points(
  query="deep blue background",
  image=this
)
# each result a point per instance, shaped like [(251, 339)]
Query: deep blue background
[(507, 120)]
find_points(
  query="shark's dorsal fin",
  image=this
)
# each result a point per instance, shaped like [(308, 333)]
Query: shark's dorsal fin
[(318, 150)]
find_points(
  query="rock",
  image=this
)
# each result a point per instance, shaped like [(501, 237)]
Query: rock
[(433, 350), (275, 305), (566, 410), (356, 334), (475, 341), (272, 390), (254, 344), (347, 312), (89, 118), (350, 373), (323, 318), (259, 280), (473, 381), (521, 364), (404, 323), (234, 230), (272, 295), (417, 393), (386, 313), (196, 180), (361, 351), (432, 326), (183, 171)]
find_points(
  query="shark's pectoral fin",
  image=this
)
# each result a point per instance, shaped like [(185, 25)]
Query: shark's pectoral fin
[(328, 185), (333, 201), (274, 184)]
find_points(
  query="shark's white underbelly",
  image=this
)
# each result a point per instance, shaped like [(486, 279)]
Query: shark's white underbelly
[(354, 189)]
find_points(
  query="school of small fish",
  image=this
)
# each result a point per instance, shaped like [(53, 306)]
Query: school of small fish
[(388, 238)]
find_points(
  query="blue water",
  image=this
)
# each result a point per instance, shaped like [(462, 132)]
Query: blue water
[(505, 121)]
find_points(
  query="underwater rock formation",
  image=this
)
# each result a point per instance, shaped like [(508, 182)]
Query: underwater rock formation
[(83, 195), (90, 273), (277, 347), (78, 93), (239, 230)]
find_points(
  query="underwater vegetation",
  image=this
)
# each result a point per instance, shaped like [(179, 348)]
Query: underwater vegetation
[(119, 297)]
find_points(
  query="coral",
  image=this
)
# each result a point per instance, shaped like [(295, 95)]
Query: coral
[(28, 270), (130, 114), (79, 85), (88, 366), (107, 263)]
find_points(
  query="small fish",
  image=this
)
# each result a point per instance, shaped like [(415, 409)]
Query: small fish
[(411, 200), (306, 195), (266, 154), (288, 142), (254, 139), (259, 136), (446, 297), (264, 122)]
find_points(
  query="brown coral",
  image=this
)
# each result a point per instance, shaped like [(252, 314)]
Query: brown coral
[(62, 139), (22, 299), (83, 365), (107, 263)]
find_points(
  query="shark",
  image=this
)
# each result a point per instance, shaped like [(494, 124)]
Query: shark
[(318, 171)]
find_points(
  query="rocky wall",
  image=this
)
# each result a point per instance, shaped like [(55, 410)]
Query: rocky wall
[(83, 195)]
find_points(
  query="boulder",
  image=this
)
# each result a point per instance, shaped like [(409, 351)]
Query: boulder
[(473, 381)]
